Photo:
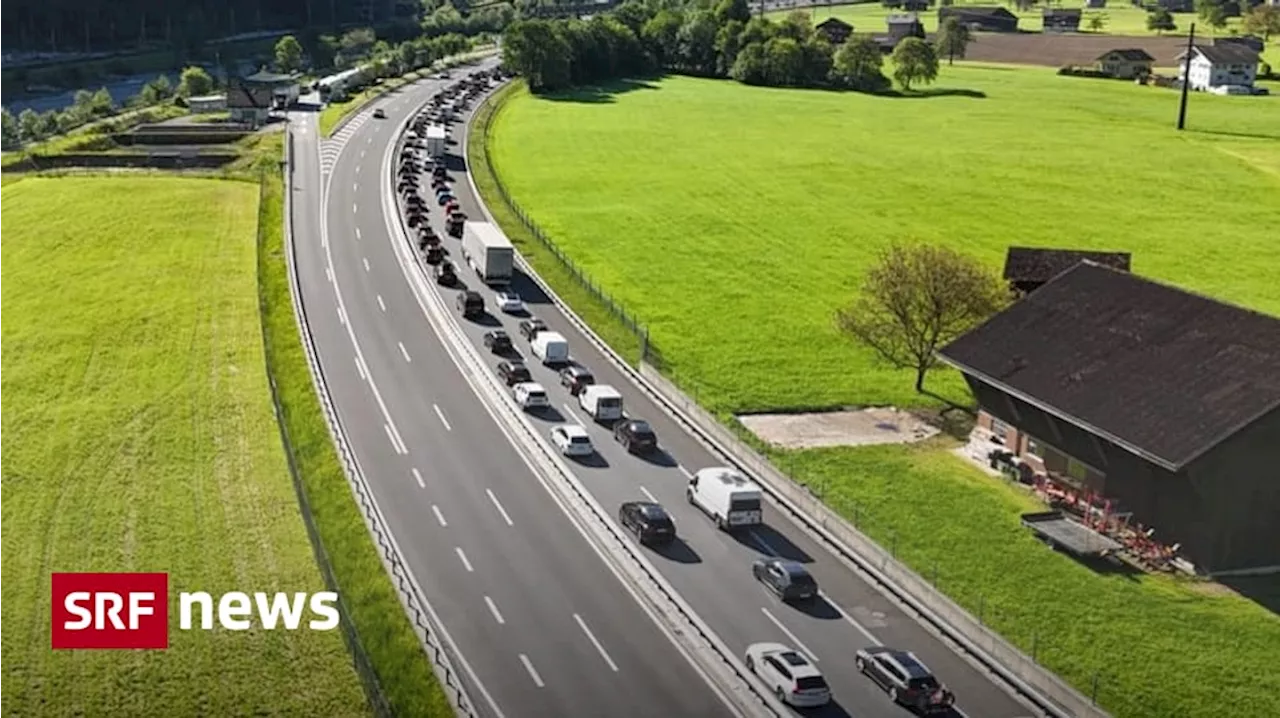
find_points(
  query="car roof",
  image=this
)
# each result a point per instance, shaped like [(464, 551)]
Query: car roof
[(640, 425), (799, 664), (650, 510), (913, 666), (793, 568), (573, 430), (531, 386)]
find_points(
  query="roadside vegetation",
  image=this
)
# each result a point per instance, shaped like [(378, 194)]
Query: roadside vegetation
[(403, 670), (139, 436), (739, 260)]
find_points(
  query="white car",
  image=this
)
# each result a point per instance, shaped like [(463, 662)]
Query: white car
[(793, 677), (530, 395), (509, 302), (572, 440)]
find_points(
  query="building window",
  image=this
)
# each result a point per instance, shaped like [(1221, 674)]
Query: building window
[(1076, 470), (1034, 448), (999, 428)]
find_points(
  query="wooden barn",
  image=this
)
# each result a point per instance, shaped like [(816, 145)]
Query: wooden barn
[(1165, 402), (1027, 268), (981, 19)]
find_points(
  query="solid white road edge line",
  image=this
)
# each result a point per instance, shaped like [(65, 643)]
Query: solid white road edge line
[(417, 587), (798, 644), (457, 346), (418, 477), (603, 654), (463, 558), (498, 506), (528, 666), (443, 420), (439, 516), (493, 608), (360, 368)]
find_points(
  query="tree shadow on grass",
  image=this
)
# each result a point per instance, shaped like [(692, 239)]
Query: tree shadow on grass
[(1244, 135), (598, 94), (1263, 590), (935, 92)]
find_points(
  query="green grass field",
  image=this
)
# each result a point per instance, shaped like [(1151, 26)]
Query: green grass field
[(139, 436), (736, 220)]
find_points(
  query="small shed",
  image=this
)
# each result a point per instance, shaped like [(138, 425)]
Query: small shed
[(285, 89), (1126, 63), (207, 103), (1026, 269), (835, 30), (902, 27), (982, 19), (1061, 20), (249, 104)]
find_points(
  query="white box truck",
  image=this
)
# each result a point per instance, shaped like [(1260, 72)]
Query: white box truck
[(550, 348), (601, 401), (728, 497), (488, 251), (436, 140)]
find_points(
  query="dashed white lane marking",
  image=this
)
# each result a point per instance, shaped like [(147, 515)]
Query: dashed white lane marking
[(396, 443), (573, 415), (366, 263), (439, 516), (354, 208), (684, 471), (790, 635), (355, 186), (404, 352), (603, 654), (357, 168), (360, 368), (342, 315), (444, 421), (501, 510), (357, 233), (528, 666), (381, 304), (418, 477), (362, 153), (648, 495), (493, 608), (465, 563)]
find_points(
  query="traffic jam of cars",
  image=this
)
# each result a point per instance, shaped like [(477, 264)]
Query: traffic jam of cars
[(730, 499)]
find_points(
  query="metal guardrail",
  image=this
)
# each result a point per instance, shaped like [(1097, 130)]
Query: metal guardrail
[(416, 608)]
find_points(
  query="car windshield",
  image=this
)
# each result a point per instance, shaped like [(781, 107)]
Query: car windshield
[(537, 395), (811, 683), (579, 439)]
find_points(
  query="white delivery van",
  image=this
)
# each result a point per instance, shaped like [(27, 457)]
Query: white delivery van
[(550, 347), (728, 497), (601, 401)]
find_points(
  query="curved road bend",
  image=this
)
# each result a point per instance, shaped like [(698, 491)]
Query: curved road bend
[(545, 625), (711, 569)]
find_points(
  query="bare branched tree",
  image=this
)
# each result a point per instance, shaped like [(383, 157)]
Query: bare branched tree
[(916, 299)]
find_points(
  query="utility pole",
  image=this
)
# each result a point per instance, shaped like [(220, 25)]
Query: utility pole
[(1186, 79)]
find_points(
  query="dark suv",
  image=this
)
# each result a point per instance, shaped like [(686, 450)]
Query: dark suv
[(787, 579), (635, 435), (514, 372), (575, 378), (648, 521), (497, 341), (529, 328), (471, 304)]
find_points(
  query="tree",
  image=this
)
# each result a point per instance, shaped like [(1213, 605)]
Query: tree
[(749, 66), (696, 41), (1213, 12), (194, 82), (953, 39), (1263, 20), (783, 62), (536, 50), (29, 125), (858, 65), (1161, 21), (914, 61), (1097, 21), (325, 51), (661, 34), (288, 54), (101, 104), (10, 133), (728, 10), (917, 299)]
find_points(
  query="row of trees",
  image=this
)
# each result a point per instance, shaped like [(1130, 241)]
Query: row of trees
[(724, 41), (31, 126)]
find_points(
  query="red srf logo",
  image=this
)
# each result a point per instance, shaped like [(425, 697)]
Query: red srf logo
[(110, 610)]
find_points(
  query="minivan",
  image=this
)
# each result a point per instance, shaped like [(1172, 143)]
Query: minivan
[(550, 347)]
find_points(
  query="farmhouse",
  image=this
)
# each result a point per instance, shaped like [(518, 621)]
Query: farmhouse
[(835, 30), (284, 88), (1164, 402), (900, 28), (1214, 66), (984, 19), (1253, 42), (1126, 63), (1026, 269), (249, 104), (1060, 20)]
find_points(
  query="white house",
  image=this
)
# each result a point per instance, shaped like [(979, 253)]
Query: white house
[(1218, 66)]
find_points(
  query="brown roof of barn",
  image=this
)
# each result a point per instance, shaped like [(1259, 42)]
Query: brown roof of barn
[(975, 11), (835, 23), (1031, 264), (1228, 54), (1130, 54), (1163, 372)]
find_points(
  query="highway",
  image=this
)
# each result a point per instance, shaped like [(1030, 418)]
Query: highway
[(534, 566), (544, 625)]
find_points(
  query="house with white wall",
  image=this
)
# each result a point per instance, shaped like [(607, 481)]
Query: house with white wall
[(1215, 66)]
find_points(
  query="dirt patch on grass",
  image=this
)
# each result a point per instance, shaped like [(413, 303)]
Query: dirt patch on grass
[(1067, 49), (882, 425)]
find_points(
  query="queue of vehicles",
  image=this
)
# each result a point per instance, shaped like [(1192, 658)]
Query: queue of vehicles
[(729, 499)]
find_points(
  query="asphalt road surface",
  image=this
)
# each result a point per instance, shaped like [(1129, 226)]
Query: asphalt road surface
[(544, 624), (545, 579)]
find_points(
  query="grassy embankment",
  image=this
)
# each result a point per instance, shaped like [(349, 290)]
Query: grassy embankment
[(138, 436), (739, 257)]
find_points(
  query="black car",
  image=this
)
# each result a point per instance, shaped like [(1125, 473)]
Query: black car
[(908, 681), (787, 579), (435, 255), (445, 274), (648, 521), (497, 341), (635, 435), (529, 328), (470, 303), (514, 372), (379, 114), (575, 377)]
